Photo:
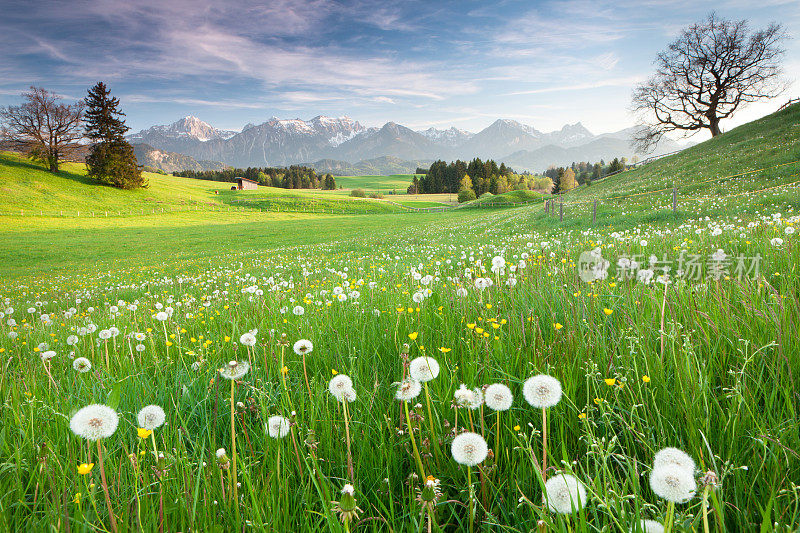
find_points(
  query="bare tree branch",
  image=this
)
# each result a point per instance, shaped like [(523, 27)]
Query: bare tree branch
[(43, 127), (711, 70)]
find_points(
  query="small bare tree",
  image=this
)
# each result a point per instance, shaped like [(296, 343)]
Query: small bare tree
[(43, 127), (705, 75)]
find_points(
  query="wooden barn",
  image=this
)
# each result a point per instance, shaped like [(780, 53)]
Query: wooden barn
[(244, 184)]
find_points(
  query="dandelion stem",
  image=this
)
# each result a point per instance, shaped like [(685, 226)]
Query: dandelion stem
[(234, 479), (430, 417), (497, 437), (305, 374), (105, 486), (705, 510), (669, 518), (544, 445), (414, 443), (347, 435), (471, 504)]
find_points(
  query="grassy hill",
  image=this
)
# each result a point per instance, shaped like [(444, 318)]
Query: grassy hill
[(27, 188), (767, 142)]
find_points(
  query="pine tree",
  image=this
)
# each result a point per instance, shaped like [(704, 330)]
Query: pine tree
[(111, 159)]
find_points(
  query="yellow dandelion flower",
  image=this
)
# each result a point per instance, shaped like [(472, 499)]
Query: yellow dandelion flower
[(144, 433), (84, 468)]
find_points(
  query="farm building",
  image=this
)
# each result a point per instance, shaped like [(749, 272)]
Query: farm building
[(245, 184)]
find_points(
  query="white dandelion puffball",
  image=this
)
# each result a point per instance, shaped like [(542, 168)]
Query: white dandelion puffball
[(673, 457), (469, 449), (96, 421), (424, 369), (234, 369), (277, 426), (542, 391), (82, 365), (648, 526), (564, 493), (472, 398), (408, 390), (161, 316), (673, 483), (303, 347), (151, 417), (298, 310), (72, 340), (104, 334), (498, 397), (46, 356), (248, 339), (341, 386)]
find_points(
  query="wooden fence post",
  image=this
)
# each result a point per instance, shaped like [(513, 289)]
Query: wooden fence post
[(594, 213), (561, 209)]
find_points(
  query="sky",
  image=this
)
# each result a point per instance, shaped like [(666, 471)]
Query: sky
[(422, 64)]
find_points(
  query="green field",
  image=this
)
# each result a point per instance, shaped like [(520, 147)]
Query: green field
[(706, 359), (396, 182)]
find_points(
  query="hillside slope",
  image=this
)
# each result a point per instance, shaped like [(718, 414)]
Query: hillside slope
[(762, 144), (27, 188)]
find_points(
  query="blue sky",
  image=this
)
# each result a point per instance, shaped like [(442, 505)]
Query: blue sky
[(421, 64)]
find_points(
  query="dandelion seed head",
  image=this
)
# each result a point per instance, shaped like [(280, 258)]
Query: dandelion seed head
[(673, 483), (564, 493), (469, 449), (648, 526), (408, 390), (82, 365), (151, 417), (95, 421), (303, 347), (424, 369), (498, 397), (341, 387), (248, 339), (277, 426), (542, 391), (234, 369), (471, 398), (673, 457)]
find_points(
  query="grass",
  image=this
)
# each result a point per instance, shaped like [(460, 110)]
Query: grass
[(394, 182), (706, 364)]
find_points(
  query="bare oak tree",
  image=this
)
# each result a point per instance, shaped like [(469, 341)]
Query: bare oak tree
[(43, 127), (712, 69)]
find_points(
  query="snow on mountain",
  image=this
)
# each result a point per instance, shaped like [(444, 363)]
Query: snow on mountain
[(449, 137)]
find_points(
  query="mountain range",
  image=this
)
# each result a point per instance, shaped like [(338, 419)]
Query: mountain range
[(343, 143)]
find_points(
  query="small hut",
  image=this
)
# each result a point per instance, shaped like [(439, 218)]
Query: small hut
[(244, 184)]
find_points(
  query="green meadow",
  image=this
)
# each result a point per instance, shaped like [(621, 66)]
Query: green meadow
[(682, 332)]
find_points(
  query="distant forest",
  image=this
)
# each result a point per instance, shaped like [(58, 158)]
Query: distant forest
[(582, 173), (294, 177), (477, 176)]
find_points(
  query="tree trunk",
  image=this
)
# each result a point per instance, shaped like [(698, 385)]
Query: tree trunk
[(714, 127)]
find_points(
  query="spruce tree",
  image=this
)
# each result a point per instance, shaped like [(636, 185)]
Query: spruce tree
[(111, 159)]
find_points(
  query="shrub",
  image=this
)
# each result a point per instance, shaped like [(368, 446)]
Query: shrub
[(466, 195), (376, 195), (358, 193)]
